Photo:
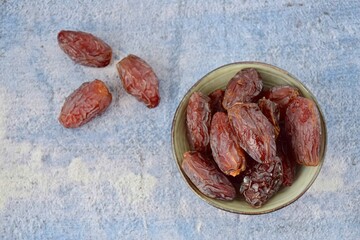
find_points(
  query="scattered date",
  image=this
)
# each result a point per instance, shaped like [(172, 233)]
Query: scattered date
[(85, 103), (84, 48), (139, 80)]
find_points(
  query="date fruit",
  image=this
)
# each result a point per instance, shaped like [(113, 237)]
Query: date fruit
[(227, 153), (256, 135), (243, 87), (287, 159), (261, 182), (139, 80), (198, 120), (84, 48), (302, 125), (216, 98), (206, 177), (86, 102), (271, 111), (282, 96)]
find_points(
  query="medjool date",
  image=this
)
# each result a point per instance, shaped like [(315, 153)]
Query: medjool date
[(271, 111), (206, 177), (227, 153), (261, 182), (254, 132), (302, 125), (198, 120), (243, 87)]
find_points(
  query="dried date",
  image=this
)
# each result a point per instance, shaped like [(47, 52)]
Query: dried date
[(84, 48), (243, 87), (256, 135), (271, 111), (282, 96), (86, 102), (302, 126), (198, 120), (139, 80), (216, 98), (227, 153), (206, 177), (287, 159), (261, 182)]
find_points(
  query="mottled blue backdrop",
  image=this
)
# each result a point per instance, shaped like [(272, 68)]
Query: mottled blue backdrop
[(115, 178)]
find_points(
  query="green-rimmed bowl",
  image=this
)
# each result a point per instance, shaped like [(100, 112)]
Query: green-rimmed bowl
[(218, 78)]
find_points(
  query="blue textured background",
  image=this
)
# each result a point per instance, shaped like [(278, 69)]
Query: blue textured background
[(115, 178)]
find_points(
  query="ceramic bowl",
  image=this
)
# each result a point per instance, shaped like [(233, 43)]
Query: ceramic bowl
[(218, 78)]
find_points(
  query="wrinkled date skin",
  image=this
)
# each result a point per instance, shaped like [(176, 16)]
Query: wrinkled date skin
[(302, 126), (216, 98), (287, 159), (139, 80), (282, 96), (256, 135), (261, 182), (85, 103), (227, 153), (271, 111), (84, 48), (206, 177), (198, 120), (243, 87)]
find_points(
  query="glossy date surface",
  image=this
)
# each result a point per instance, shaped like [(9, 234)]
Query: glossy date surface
[(227, 153), (139, 80), (256, 135), (271, 111), (198, 120), (85, 48), (207, 177), (243, 87), (85, 103), (302, 126)]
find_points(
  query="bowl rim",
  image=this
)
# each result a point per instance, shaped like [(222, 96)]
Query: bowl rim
[(276, 69)]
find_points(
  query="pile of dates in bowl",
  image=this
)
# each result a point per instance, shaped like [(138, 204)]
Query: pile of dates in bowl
[(249, 138)]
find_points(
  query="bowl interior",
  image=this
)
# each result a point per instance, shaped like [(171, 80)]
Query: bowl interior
[(272, 76)]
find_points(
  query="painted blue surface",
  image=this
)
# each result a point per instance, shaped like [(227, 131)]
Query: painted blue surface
[(115, 178)]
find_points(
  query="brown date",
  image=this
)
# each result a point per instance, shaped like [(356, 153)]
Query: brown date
[(287, 159), (243, 87), (216, 98), (139, 80), (282, 96), (84, 48), (227, 153), (256, 135), (271, 111), (261, 182), (198, 120), (86, 102), (302, 126), (206, 177)]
